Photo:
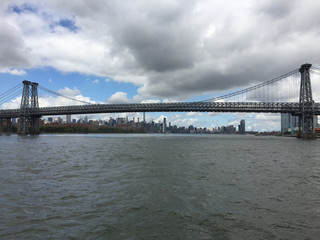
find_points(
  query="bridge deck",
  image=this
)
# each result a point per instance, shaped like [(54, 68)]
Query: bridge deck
[(268, 107)]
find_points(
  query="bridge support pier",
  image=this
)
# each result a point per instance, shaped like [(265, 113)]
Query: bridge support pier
[(9, 125), (23, 125), (35, 125)]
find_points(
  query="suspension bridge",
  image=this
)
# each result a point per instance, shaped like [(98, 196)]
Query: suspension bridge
[(288, 93)]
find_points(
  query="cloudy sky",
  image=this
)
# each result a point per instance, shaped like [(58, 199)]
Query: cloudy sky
[(151, 51)]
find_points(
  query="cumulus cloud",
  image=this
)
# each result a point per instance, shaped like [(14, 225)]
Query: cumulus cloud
[(13, 51), (118, 97), (18, 72), (12, 104), (69, 92), (170, 49)]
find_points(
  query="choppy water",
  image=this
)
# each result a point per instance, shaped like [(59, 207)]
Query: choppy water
[(159, 187)]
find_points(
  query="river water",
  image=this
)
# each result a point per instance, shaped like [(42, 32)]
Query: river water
[(159, 187)]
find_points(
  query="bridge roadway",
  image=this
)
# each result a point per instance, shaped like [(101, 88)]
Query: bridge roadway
[(258, 107)]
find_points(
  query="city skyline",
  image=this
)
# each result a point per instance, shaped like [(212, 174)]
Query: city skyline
[(160, 126)]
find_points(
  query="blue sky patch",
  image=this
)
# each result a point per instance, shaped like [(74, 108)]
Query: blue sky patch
[(69, 24), (22, 8)]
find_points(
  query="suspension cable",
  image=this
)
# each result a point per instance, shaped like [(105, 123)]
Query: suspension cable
[(11, 96), (252, 88), (58, 94), (3, 95)]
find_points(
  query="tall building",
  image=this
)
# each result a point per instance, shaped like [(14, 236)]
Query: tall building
[(242, 127), (164, 125), (288, 122), (68, 118)]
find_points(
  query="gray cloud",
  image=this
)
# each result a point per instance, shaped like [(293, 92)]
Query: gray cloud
[(13, 52), (181, 48)]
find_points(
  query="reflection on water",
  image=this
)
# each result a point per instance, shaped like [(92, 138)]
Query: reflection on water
[(159, 187)]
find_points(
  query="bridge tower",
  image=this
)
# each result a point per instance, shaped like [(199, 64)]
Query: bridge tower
[(29, 102), (306, 118), (34, 120)]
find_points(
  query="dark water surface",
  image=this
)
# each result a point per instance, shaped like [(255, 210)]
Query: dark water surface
[(159, 187)]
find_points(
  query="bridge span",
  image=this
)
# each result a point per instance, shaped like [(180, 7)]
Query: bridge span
[(257, 107), (29, 112)]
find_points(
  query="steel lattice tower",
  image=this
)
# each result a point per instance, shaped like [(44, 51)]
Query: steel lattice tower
[(34, 120), (306, 102), (24, 108), (29, 101)]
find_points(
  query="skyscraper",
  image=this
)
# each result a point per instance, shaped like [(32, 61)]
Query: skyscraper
[(242, 127), (164, 125), (288, 122), (68, 118)]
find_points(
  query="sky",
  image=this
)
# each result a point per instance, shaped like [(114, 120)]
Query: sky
[(156, 51)]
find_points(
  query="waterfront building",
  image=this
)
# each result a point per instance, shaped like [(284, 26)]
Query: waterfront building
[(58, 120), (229, 129), (68, 118), (164, 125), (289, 122), (242, 127)]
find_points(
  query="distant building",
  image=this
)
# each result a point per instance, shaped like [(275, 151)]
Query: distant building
[(242, 127), (229, 129), (289, 122), (164, 125), (58, 120), (68, 118)]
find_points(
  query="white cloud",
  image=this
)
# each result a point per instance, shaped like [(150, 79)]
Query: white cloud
[(233, 44), (192, 114), (159, 119), (151, 101), (13, 104), (96, 81), (190, 121), (152, 46), (69, 92), (118, 97), (17, 72), (213, 114)]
